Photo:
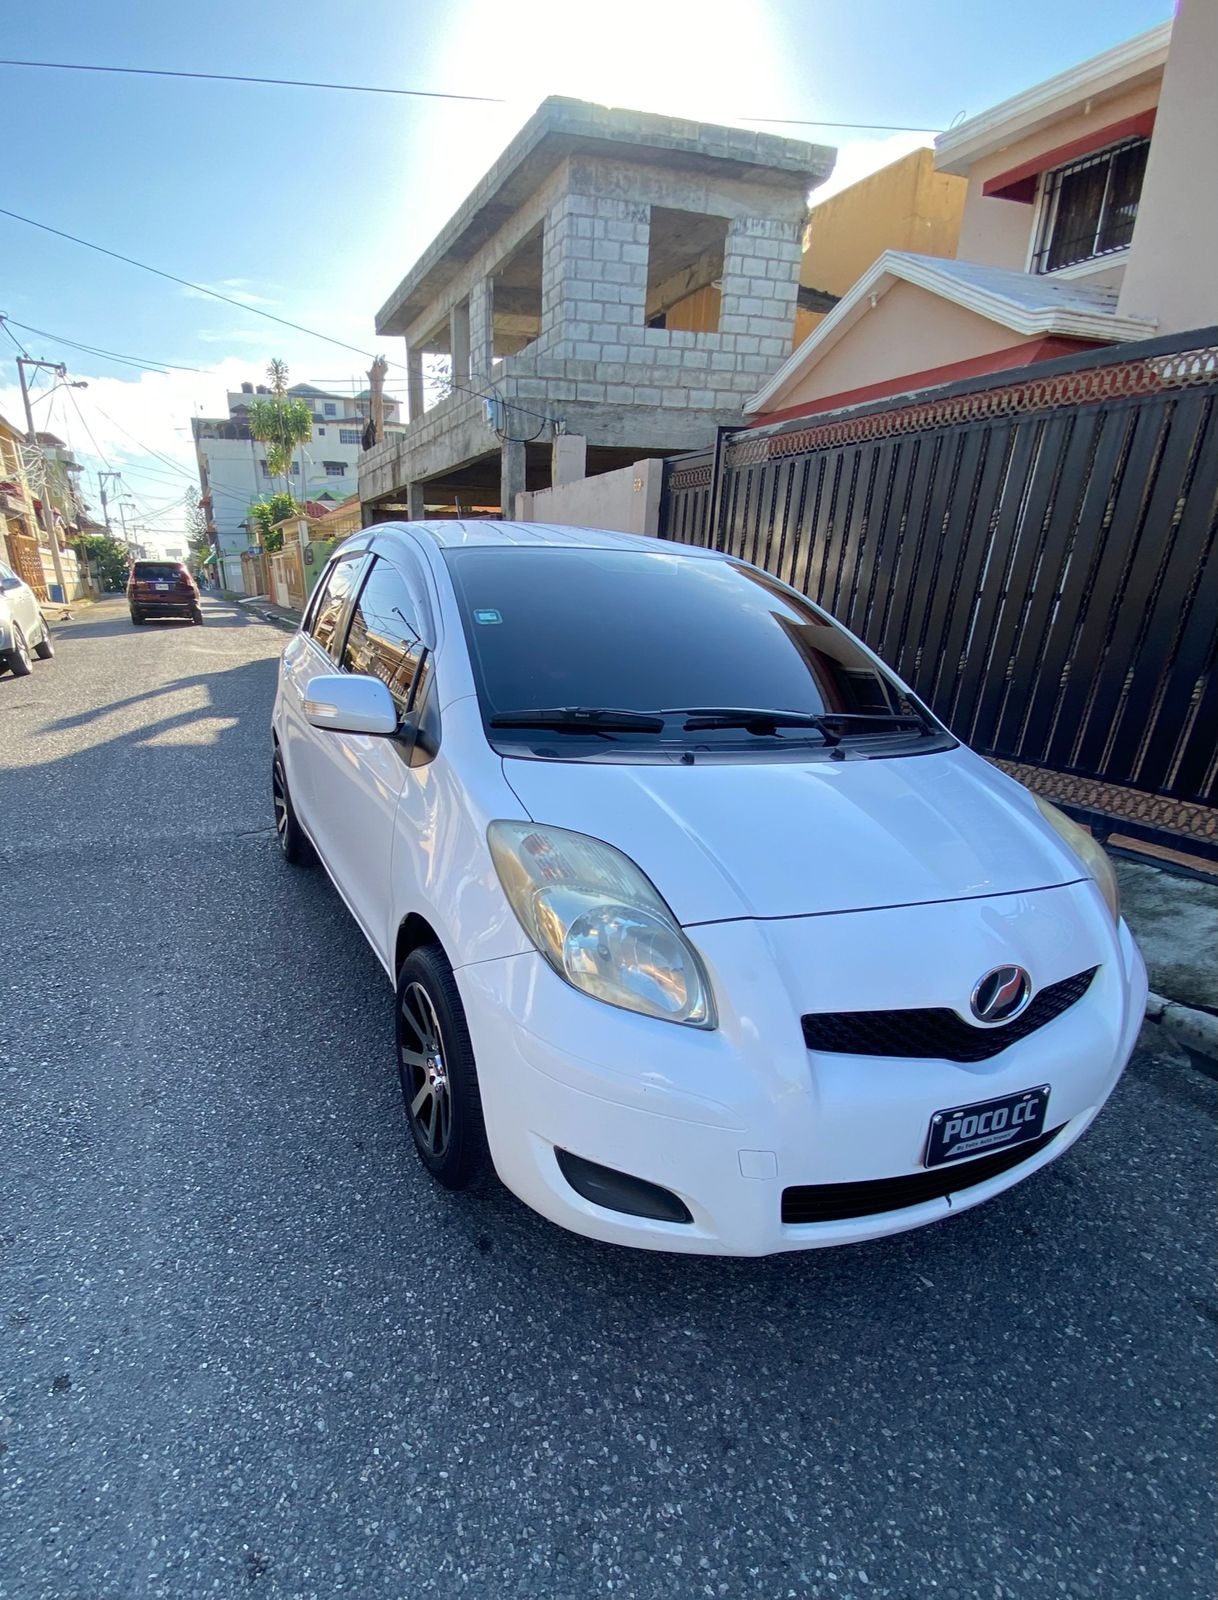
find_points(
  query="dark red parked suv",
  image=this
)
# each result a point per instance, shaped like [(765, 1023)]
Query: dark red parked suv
[(162, 589)]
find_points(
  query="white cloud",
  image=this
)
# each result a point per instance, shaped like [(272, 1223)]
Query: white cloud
[(231, 336)]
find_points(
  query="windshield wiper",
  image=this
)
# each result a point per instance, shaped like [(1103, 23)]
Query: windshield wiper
[(758, 720), (882, 719), (579, 719)]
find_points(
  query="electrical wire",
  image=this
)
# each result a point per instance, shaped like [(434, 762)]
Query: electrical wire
[(257, 311), (13, 337), (411, 94), (279, 83), (93, 350)]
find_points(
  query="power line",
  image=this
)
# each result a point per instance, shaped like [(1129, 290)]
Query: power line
[(410, 94), (13, 337), (184, 283), (257, 311), (279, 83), (97, 449), (94, 350)]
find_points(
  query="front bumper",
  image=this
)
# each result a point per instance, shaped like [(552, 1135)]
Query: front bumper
[(728, 1119)]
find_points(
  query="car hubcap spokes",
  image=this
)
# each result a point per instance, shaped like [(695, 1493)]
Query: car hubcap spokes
[(281, 808), (424, 1071)]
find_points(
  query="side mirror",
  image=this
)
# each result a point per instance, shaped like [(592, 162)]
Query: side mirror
[(350, 702)]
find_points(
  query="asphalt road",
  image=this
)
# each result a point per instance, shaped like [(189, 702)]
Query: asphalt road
[(246, 1349)]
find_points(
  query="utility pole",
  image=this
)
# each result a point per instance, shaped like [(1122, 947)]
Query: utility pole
[(101, 489), (31, 435)]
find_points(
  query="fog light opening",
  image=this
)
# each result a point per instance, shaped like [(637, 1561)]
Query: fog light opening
[(618, 1191)]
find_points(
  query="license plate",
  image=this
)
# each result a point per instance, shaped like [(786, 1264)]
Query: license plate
[(987, 1126), (160, 586)]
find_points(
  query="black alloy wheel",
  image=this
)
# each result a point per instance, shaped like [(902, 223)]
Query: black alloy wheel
[(19, 663), (293, 841), (437, 1071)]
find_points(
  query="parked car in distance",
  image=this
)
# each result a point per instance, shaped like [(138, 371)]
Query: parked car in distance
[(706, 934), (162, 589), (23, 628)]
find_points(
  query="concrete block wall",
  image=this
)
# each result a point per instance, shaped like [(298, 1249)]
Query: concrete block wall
[(595, 363), (761, 283), (594, 284)]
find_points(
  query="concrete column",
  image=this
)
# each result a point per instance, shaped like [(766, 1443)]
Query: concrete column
[(417, 508), (458, 340), (414, 384), (481, 329), (568, 459), (511, 475)]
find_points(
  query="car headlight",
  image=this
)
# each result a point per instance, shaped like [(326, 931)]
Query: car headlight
[(1090, 853), (599, 922)]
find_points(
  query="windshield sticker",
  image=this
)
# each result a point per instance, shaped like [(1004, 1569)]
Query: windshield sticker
[(487, 616)]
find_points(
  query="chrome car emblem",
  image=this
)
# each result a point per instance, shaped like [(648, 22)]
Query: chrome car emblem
[(1001, 995)]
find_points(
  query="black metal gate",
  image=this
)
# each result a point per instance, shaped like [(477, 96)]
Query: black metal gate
[(1037, 558)]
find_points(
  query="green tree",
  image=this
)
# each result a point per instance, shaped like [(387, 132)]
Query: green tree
[(280, 422), (265, 513), (198, 534), (112, 557)]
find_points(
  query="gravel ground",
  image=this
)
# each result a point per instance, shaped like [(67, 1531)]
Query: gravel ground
[(247, 1349)]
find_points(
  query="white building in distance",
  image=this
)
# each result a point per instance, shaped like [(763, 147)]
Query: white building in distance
[(233, 471)]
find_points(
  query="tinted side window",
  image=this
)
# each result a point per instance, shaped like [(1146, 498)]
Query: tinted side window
[(383, 639), (326, 626)]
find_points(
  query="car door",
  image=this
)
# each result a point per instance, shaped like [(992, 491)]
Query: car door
[(360, 777), (23, 603), (316, 649)]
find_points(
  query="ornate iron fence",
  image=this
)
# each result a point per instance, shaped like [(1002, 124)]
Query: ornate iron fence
[(1036, 556)]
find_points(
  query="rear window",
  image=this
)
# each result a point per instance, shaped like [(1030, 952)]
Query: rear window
[(158, 571)]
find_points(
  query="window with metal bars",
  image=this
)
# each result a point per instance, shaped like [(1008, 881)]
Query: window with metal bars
[(1088, 208)]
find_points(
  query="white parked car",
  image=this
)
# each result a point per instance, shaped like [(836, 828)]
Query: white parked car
[(23, 629), (706, 934)]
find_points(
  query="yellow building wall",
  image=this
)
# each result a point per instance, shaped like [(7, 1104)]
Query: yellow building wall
[(907, 205), (697, 313)]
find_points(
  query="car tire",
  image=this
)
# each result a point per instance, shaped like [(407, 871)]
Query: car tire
[(44, 649), (138, 619), (437, 1071), (294, 843), (19, 663), (196, 616)]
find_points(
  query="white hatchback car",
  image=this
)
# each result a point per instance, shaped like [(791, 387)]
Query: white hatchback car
[(23, 628), (704, 931)]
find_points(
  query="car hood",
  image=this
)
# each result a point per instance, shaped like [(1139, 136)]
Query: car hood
[(780, 840)]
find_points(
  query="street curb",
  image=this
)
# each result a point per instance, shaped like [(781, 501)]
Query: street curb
[(1196, 1032), (284, 623)]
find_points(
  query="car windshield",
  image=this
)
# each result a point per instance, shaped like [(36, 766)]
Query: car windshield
[(612, 654)]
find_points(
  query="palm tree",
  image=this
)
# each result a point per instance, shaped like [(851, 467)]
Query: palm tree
[(280, 422)]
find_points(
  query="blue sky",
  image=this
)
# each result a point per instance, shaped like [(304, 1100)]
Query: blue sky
[(313, 204)]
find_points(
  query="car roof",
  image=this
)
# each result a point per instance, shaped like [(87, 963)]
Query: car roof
[(455, 533)]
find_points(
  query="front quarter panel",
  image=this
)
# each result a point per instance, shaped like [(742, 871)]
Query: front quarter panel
[(442, 867)]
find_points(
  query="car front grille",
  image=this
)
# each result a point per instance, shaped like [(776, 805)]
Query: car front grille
[(936, 1033), (837, 1202)]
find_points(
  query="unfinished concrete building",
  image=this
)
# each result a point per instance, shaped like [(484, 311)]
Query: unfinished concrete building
[(616, 285)]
